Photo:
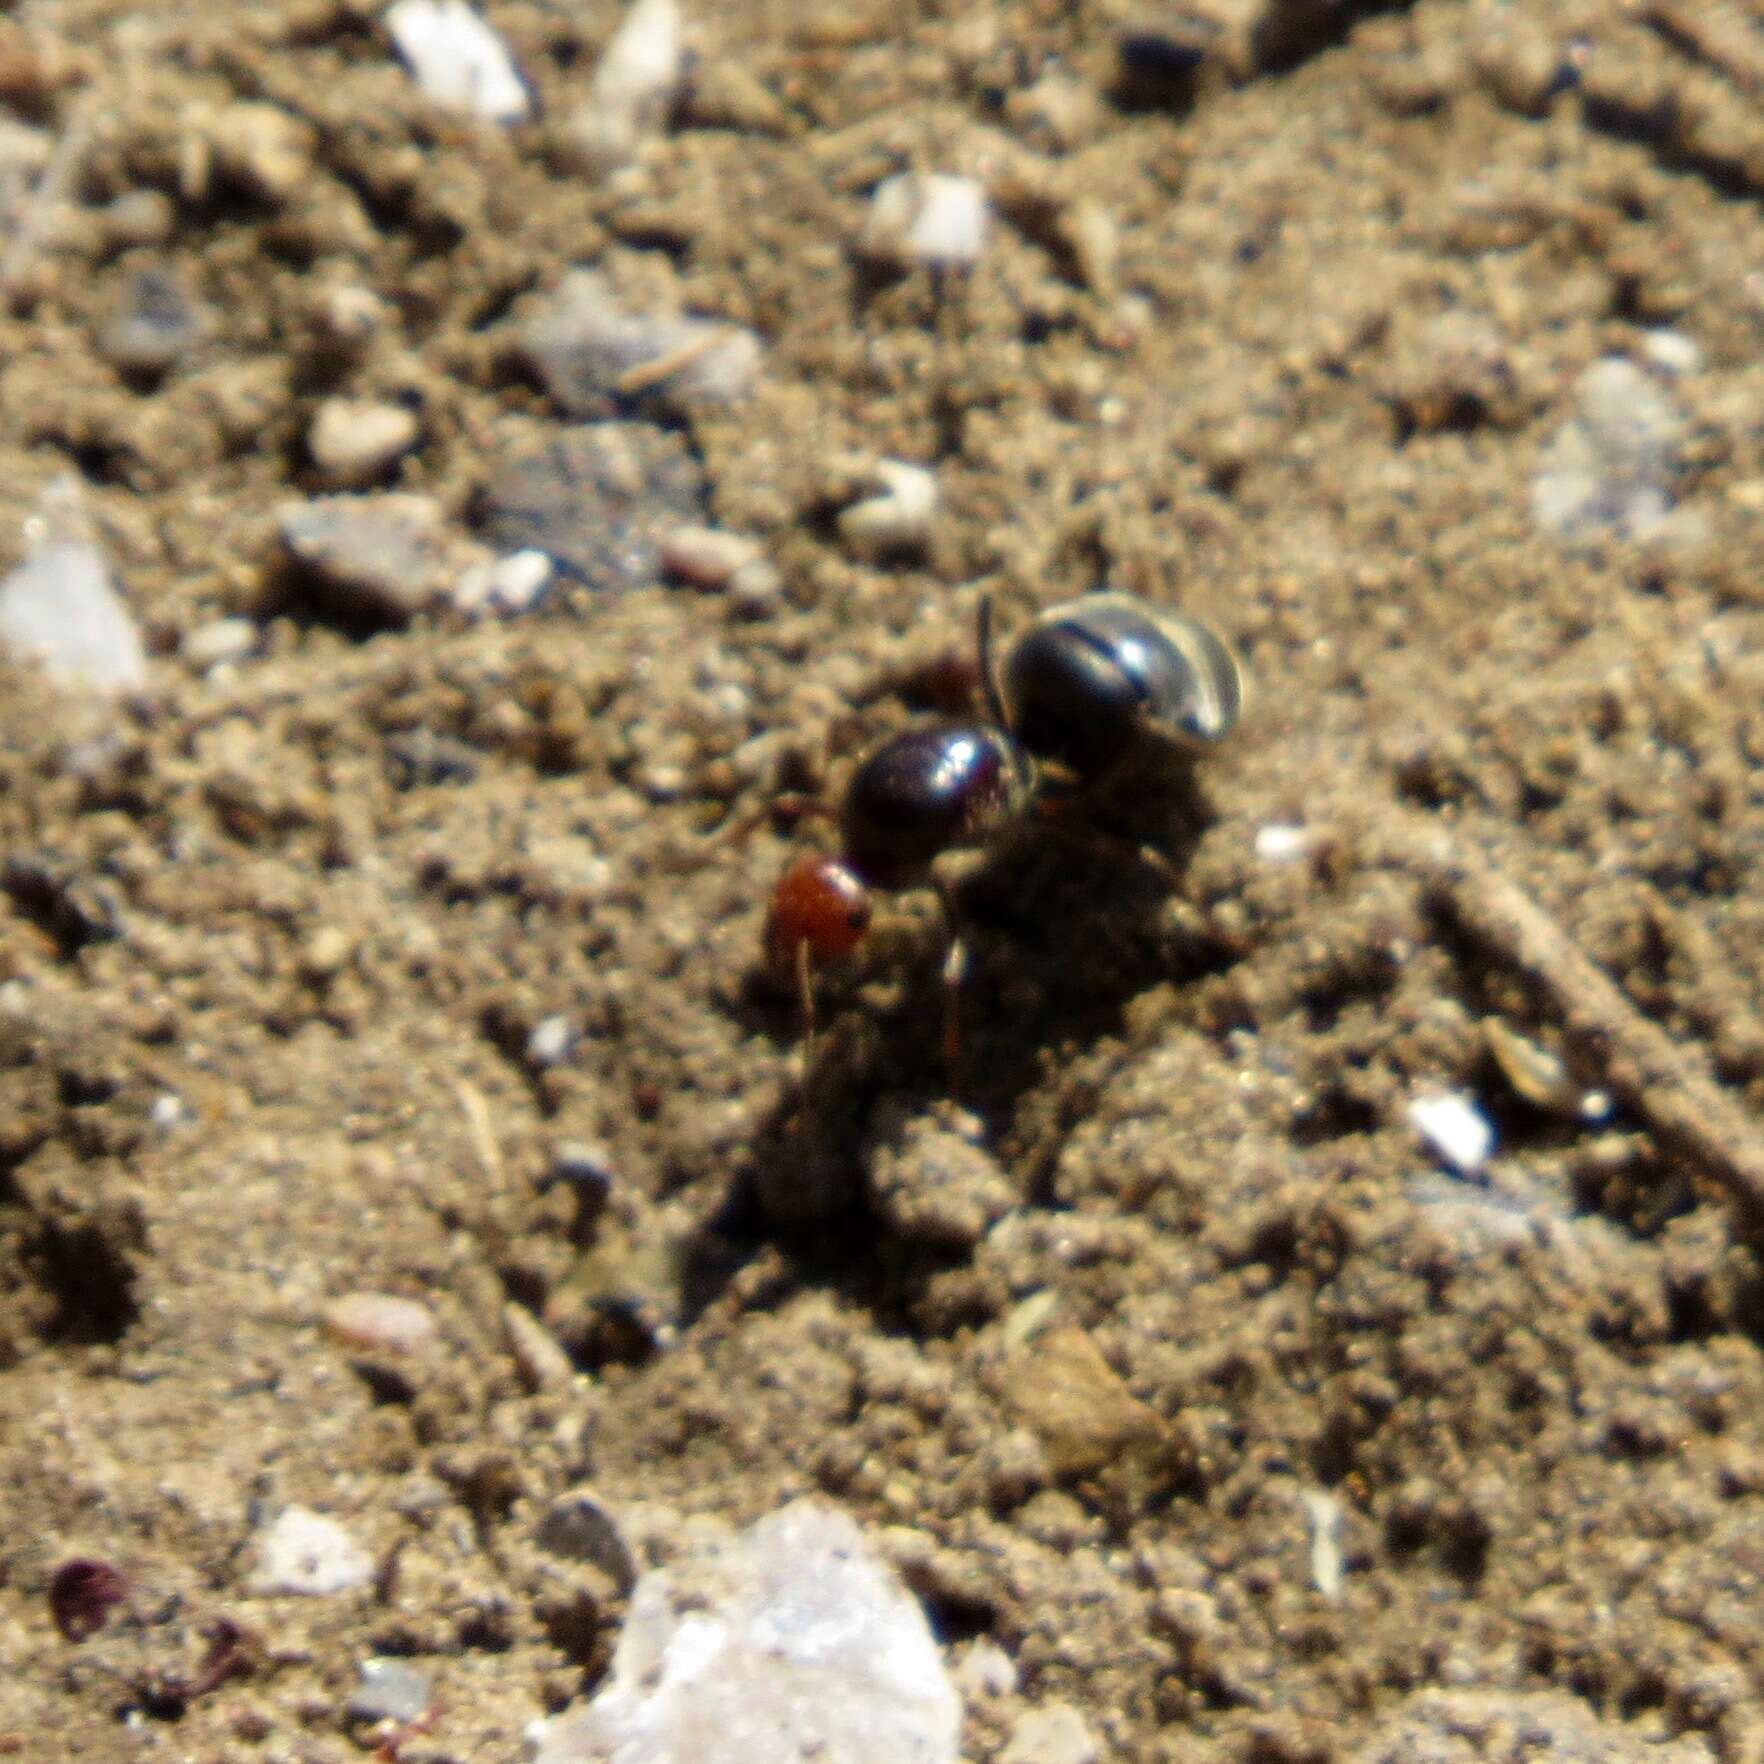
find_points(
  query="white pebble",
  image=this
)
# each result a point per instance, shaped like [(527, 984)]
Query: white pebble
[(1054, 1734), (707, 557), (60, 607), (1609, 469), (635, 81), (897, 520), (1280, 843), (381, 1322), (390, 1690), (1323, 1511), (550, 1042), (985, 1670), (307, 1553), (937, 221), (457, 59), (354, 441), (1672, 352), (508, 584), (1455, 1127), (219, 642), (792, 1641)]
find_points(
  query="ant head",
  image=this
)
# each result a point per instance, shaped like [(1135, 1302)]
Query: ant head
[(819, 906)]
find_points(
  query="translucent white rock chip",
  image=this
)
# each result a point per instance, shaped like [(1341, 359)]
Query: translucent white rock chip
[(390, 1690), (594, 353), (306, 1552), (635, 80), (60, 607), (938, 221), (1608, 471), (897, 519), (789, 1643), (457, 59), (1455, 1127)]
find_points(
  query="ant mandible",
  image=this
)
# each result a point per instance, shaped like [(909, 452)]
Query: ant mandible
[(1092, 693)]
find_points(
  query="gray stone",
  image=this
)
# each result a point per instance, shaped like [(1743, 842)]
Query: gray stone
[(598, 500), (156, 322), (597, 357), (384, 557)]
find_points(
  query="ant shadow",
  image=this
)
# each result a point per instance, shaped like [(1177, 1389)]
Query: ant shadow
[(1065, 928)]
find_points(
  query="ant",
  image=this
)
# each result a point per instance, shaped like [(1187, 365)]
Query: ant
[(1092, 694)]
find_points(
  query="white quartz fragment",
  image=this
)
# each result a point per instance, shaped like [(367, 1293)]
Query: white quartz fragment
[(309, 1553), (635, 80), (457, 59), (1610, 469), (60, 607), (938, 221), (1455, 1127), (790, 1643)]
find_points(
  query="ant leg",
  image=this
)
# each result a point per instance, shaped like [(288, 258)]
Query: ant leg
[(954, 975), (805, 994), (995, 705), (792, 805)]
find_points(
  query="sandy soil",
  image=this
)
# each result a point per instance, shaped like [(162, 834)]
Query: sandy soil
[(1177, 1287)]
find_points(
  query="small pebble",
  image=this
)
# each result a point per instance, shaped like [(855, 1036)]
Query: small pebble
[(635, 81), (1610, 469), (505, 585), (156, 322), (1079, 1405), (550, 1042), (381, 1322), (1323, 1513), (219, 642), (542, 1361), (1278, 843), (596, 356), (82, 1595), (353, 442), (1672, 353), (390, 1690), (897, 520), (706, 557), (457, 60), (139, 217), (264, 149), (583, 1165), (1053, 1734), (985, 1670), (935, 221), (170, 1111), (60, 607), (307, 1553), (384, 557), (1455, 1127), (581, 1528), (597, 501)]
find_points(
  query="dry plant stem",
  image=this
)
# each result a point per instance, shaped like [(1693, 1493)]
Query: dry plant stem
[(1667, 1086)]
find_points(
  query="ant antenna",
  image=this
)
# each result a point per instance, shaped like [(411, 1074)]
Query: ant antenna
[(995, 707), (1021, 764)]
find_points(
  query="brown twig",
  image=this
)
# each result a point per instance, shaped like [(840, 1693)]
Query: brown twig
[(1666, 1086)]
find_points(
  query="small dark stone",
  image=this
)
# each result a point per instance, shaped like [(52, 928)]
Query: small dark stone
[(597, 500), (82, 1595)]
